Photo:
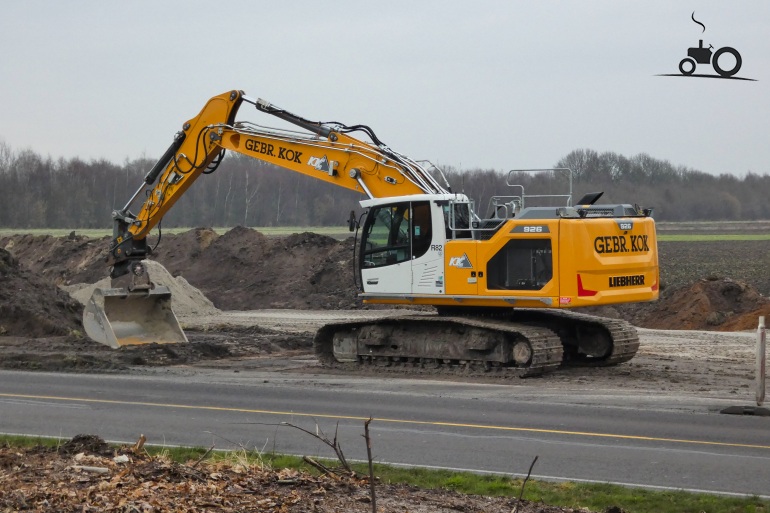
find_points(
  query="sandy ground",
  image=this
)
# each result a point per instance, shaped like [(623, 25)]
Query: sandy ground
[(702, 364)]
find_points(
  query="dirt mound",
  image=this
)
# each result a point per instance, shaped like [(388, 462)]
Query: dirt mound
[(31, 305), (240, 270), (91, 444), (746, 321), (718, 304), (62, 260), (245, 270)]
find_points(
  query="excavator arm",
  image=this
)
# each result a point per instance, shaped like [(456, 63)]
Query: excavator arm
[(324, 151)]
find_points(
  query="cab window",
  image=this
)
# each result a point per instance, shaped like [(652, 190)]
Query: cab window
[(395, 233), (457, 221), (422, 230), (386, 236)]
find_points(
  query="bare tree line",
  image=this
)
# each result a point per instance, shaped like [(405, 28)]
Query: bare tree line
[(676, 193), (40, 192)]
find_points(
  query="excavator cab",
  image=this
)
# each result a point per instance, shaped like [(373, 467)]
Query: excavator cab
[(403, 242), (530, 251)]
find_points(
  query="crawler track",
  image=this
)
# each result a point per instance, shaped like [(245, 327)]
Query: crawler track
[(440, 344), (620, 336), (520, 344)]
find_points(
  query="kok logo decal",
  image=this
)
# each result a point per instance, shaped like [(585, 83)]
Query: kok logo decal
[(320, 164), (462, 262)]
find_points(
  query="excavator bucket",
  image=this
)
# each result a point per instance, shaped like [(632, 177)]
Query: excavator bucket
[(117, 317)]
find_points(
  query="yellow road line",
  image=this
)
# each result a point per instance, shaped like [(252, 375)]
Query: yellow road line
[(392, 421)]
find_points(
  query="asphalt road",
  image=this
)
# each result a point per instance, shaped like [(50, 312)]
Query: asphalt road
[(674, 443)]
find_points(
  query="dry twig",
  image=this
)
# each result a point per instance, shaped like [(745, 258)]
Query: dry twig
[(202, 457), (371, 465), (93, 470), (320, 466), (320, 435), (523, 484), (139, 445)]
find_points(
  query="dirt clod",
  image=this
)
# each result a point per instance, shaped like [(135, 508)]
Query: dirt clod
[(91, 444)]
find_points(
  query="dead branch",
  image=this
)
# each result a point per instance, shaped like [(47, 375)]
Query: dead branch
[(202, 457), (94, 470), (523, 484), (320, 435), (320, 466), (371, 465)]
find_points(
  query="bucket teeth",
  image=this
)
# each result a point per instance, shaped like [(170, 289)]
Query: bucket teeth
[(117, 317)]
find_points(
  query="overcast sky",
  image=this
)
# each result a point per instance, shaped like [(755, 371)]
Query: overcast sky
[(485, 84)]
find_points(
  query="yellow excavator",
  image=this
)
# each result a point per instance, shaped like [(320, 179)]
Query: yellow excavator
[(503, 283)]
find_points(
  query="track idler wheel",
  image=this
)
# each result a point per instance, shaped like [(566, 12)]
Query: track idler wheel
[(522, 353)]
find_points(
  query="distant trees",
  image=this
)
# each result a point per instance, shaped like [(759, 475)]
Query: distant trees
[(677, 193), (39, 192)]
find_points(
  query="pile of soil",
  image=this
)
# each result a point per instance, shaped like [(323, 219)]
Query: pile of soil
[(31, 305), (709, 304), (86, 476), (61, 260), (719, 304), (245, 270), (240, 270)]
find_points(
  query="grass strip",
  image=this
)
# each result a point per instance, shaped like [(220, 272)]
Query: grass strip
[(594, 496), (712, 237)]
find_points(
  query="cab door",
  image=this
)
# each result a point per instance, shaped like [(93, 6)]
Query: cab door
[(427, 248), (386, 249)]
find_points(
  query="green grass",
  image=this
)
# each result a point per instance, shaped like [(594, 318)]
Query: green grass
[(711, 237), (29, 441), (595, 496)]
